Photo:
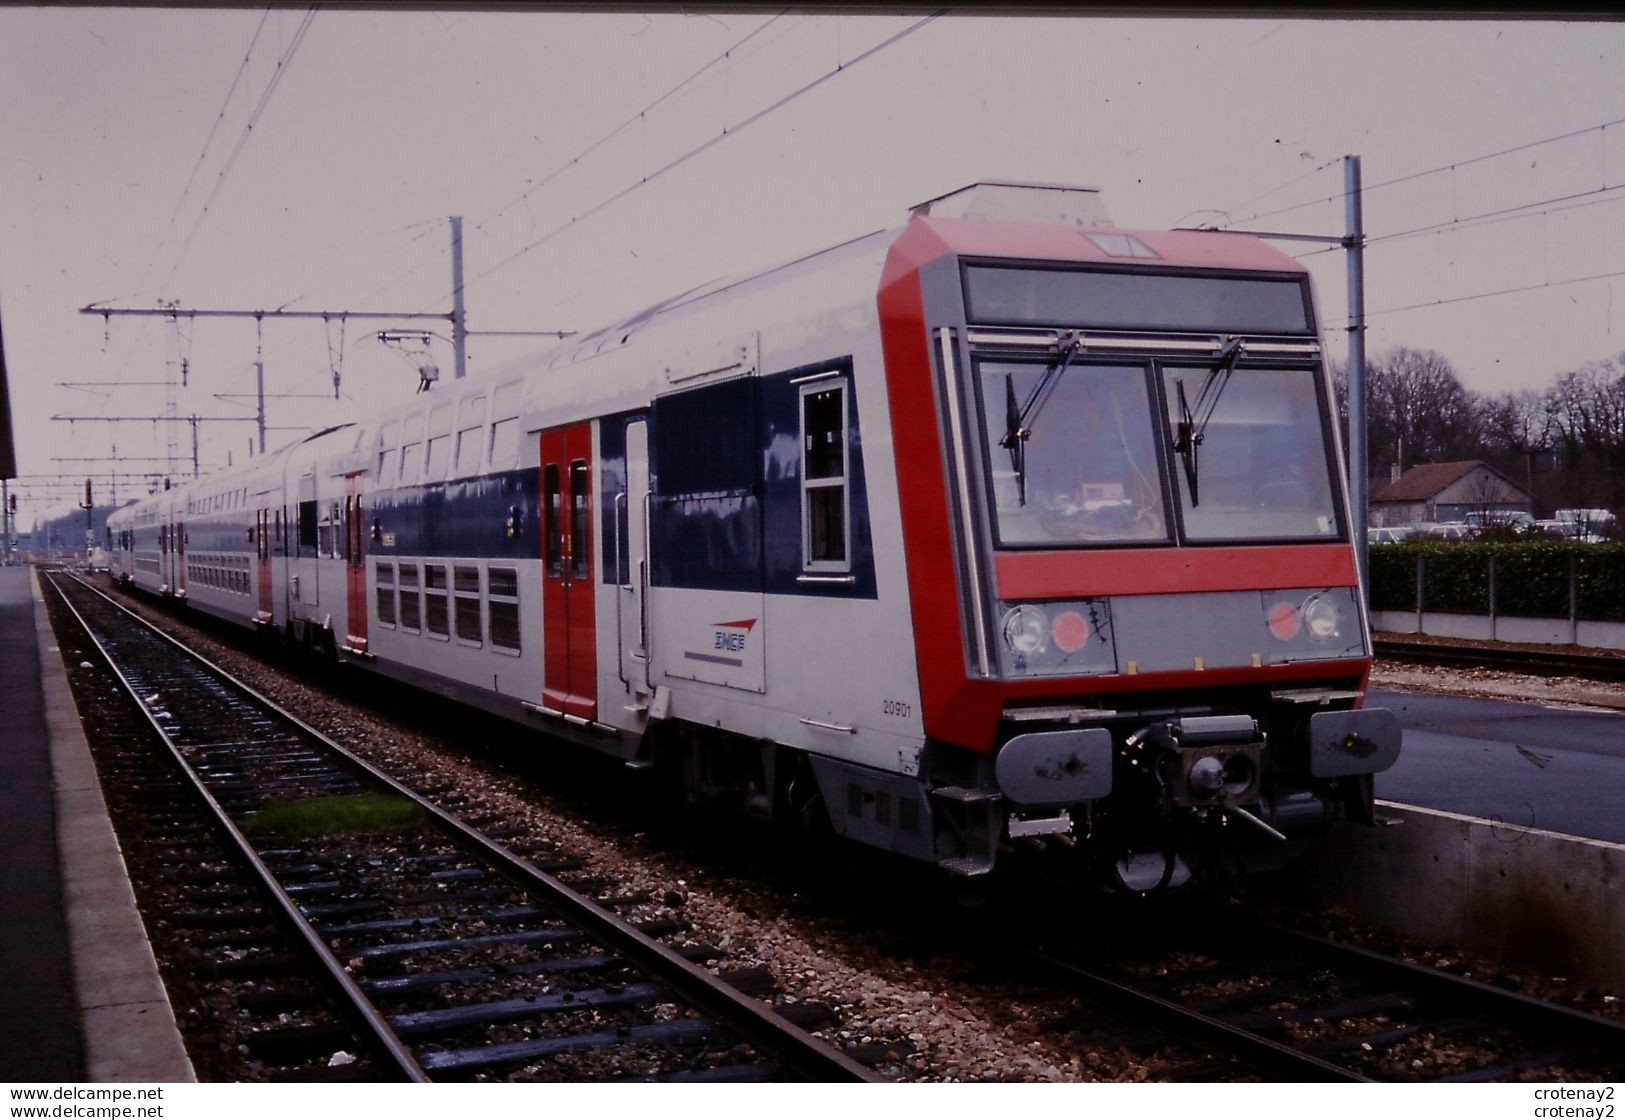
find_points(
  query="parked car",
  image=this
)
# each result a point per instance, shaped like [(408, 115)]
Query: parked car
[(1389, 534), (1514, 519), (1570, 531), (1444, 531)]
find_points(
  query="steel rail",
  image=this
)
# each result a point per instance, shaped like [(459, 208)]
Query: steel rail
[(1192, 1024), (1541, 1019), (356, 1001), (755, 1021), (1596, 666), (1554, 1016)]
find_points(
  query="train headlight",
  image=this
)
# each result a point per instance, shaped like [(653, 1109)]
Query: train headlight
[(1311, 623), (1283, 620), (1321, 617), (1026, 629)]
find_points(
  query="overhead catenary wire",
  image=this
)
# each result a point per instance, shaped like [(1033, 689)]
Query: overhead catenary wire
[(575, 160), (247, 133), (707, 145), (1486, 295), (1489, 218), (244, 136), (1452, 166), (641, 114), (208, 142)]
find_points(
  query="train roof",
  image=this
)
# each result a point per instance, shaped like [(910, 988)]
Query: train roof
[(927, 236)]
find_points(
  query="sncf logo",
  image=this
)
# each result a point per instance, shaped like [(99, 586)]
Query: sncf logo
[(731, 635)]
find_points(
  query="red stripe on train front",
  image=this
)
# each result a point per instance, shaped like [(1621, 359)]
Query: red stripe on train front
[(1136, 571)]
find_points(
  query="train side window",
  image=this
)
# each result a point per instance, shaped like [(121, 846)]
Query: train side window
[(411, 448), (824, 513), (411, 614), (505, 427), (434, 600), (503, 590), (439, 452), (466, 585), (470, 426), (384, 592), (552, 518), (387, 452)]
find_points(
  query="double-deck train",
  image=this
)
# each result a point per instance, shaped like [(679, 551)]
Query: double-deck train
[(1003, 525)]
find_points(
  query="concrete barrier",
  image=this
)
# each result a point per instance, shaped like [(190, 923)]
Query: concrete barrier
[(1526, 897), (1503, 628)]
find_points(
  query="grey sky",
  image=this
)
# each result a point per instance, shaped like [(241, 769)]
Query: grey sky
[(384, 123)]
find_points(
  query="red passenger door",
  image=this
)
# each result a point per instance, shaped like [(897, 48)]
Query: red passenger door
[(262, 544), (180, 557), (569, 635), (355, 565)]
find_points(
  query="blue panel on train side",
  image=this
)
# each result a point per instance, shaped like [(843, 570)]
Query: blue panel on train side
[(726, 475), (781, 490), (706, 528), (467, 517)]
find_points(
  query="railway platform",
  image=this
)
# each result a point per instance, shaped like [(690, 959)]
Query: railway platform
[(80, 994)]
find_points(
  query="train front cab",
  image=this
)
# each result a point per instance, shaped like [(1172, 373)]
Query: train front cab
[(1132, 492)]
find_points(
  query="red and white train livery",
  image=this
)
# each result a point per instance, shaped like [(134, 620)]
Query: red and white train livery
[(1004, 524)]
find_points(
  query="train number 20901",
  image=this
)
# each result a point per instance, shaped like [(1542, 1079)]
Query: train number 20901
[(899, 708)]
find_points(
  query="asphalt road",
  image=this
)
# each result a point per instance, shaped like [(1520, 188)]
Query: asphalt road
[(1527, 764)]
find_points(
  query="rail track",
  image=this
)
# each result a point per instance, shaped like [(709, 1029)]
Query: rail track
[(439, 952), (1519, 659), (1295, 1006)]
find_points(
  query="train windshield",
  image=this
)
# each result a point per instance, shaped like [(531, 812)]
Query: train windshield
[(1261, 470), (1082, 467)]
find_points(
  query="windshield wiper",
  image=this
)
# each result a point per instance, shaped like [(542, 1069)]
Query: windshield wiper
[(1193, 420), (1018, 421)]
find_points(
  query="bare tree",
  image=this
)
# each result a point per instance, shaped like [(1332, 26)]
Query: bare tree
[(1417, 410), (1515, 429), (1588, 418)]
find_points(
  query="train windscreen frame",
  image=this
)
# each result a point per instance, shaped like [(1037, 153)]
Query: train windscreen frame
[(1122, 299)]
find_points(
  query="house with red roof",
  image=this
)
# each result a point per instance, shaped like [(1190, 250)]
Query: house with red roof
[(1445, 492)]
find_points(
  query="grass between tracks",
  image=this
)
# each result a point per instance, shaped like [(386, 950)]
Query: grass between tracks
[(337, 816)]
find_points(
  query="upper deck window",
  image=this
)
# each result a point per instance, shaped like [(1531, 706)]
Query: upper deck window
[(997, 294)]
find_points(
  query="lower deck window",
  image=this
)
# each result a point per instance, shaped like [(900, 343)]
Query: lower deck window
[(503, 590), (466, 584), (411, 609), (384, 593), (434, 600)]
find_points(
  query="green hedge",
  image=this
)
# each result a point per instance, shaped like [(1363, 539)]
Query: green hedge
[(1601, 577), (1531, 577), (1393, 577)]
